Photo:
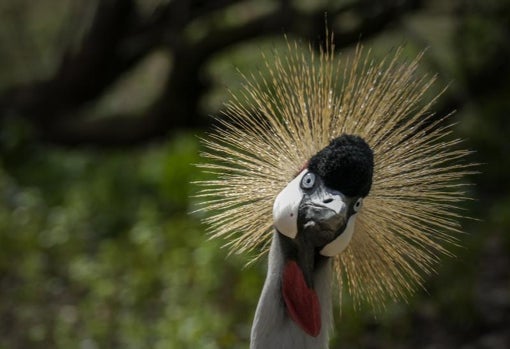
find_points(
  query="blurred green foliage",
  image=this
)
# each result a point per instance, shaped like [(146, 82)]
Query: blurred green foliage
[(99, 250)]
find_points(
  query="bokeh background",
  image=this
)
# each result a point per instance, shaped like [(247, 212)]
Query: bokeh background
[(101, 107)]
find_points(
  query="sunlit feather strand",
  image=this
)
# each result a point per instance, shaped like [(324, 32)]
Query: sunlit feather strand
[(281, 119)]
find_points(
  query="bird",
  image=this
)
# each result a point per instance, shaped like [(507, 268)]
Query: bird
[(337, 169)]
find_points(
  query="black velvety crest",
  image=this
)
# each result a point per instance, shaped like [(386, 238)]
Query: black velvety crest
[(346, 165)]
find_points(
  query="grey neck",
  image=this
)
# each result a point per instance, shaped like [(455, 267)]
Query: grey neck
[(272, 327)]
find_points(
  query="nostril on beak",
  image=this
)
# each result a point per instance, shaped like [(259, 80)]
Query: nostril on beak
[(327, 201)]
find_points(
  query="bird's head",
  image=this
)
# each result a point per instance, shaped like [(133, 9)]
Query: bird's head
[(401, 230), (316, 214), (321, 203)]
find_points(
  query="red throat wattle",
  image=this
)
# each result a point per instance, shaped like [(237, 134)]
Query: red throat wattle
[(302, 302)]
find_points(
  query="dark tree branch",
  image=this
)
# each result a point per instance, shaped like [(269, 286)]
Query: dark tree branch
[(82, 76), (119, 38)]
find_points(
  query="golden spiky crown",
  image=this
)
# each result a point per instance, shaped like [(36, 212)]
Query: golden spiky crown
[(284, 116)]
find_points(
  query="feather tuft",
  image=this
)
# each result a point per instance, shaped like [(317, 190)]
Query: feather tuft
[(281, 119)]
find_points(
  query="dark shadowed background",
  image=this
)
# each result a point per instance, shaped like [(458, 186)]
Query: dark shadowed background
[(101, 107)]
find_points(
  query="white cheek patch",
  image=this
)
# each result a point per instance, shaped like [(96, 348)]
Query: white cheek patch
[(342, 241), (285, 207)]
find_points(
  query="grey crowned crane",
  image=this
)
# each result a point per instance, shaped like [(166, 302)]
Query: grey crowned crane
[(341, 173), (314, 219)]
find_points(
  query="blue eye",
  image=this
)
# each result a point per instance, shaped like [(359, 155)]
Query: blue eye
[(308, 180)]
